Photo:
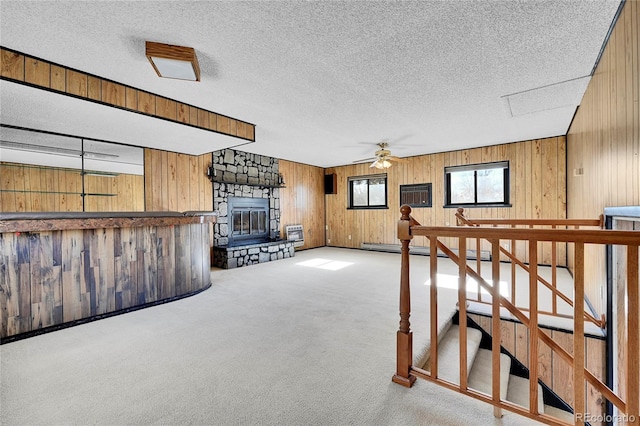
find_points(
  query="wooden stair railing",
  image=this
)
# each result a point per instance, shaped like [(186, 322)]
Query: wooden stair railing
[(461, 220), (406, 373)]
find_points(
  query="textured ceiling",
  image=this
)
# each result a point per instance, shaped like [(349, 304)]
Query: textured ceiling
[(322, 81)]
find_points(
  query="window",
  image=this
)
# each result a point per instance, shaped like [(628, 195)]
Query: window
[(418, 195), (368, 192), (482, 185)]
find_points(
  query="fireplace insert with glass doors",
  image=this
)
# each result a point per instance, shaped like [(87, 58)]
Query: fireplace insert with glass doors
[(249, 220)]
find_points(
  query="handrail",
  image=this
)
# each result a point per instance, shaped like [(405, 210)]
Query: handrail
[(553, 289), (406, 373), (461, 220), (586, 236)]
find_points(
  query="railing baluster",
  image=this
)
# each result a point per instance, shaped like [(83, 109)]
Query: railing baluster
[(433, 302), (495, 327), (533, 326), (478, 260), (478, 266), (578, 332), (462, 309), (554, 281), (513, 270), (633, 335)]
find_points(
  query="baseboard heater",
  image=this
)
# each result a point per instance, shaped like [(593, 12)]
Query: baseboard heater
[(423, 251)]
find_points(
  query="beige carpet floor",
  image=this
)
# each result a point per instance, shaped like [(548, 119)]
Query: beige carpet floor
[(303, 341)]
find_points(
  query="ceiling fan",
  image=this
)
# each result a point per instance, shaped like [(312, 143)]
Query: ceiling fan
[(383, 157)]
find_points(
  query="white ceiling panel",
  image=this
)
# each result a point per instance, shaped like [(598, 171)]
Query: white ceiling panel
[(319, 78)]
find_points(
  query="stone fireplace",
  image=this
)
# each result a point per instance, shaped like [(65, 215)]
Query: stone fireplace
[(246, 195)]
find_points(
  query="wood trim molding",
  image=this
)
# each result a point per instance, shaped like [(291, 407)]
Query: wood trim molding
[(35, 72)]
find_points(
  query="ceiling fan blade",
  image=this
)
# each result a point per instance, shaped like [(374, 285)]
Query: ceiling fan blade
[(398, 159), (364, 160), (396, 141)]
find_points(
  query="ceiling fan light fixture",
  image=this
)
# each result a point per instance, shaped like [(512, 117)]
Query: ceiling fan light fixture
[(381, 163), (169, 61), (383, 158)]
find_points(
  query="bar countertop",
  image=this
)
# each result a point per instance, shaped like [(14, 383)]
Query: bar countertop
[(56, 221)]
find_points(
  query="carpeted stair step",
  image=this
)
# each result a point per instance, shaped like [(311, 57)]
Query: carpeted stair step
[(519, 392), (422, 355), (560, 414), (449, 353), (480, 376), (479, 361)]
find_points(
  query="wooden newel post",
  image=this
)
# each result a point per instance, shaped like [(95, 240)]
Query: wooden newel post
[(404, 342), (459, 221)]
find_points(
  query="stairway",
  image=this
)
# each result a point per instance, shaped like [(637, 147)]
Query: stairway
[(513, 388)]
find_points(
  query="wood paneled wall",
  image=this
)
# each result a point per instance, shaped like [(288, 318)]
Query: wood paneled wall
[(176, 182), (603, 142), (36, 72), (27, 188), (537, 185), (129, 190), (554, 371), (303, 201)]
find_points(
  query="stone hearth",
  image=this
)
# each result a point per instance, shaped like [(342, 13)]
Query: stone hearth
[(236, 257)]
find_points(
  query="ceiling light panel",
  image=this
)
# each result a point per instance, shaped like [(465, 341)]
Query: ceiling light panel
[(171, 61)]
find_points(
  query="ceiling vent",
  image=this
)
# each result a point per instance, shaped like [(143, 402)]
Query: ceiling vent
[(557, 95)]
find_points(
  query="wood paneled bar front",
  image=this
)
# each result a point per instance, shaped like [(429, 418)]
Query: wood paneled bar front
[(61, 269)]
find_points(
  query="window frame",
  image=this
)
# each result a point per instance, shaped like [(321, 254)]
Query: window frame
[(504, 165), (352, 179)]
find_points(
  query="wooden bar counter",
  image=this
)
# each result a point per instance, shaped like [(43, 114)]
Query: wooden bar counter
[(60, 269)]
